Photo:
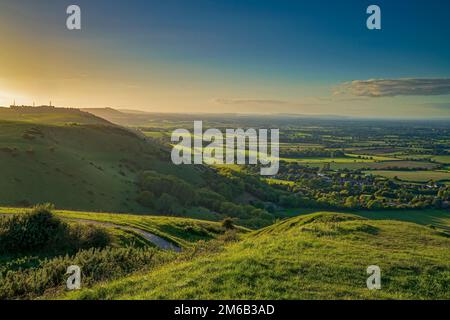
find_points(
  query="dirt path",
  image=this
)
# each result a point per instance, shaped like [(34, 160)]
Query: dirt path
[(153, 238), (156, 240)]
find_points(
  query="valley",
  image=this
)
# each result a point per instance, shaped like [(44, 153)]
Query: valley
[(141, 227)]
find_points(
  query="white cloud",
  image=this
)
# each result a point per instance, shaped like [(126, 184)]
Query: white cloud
[(394, 87)]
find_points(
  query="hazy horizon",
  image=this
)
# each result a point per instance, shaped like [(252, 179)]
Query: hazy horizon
[(229, 57)]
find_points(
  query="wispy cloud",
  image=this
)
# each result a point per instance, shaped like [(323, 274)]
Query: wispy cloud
[(394, 87)]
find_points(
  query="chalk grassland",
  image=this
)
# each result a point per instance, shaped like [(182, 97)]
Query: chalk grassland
[(180, 231), (105, 246), (75, 161), (317, 256), (50, 116)]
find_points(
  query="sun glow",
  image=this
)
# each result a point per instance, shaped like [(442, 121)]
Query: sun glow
[(8, 98)]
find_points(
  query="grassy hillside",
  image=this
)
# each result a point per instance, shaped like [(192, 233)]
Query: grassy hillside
[(428, 217), (49, 115), (317, 256), (74, 160), (181, 231), (78, 161), (37, 245)]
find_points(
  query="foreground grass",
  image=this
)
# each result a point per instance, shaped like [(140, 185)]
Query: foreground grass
[(181, 231), (429, 217), (317, 256)]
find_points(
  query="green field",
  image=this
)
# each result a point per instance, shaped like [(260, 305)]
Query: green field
[(375, 165), (438, 159), (318, 256), (413, 176), (326, 160), (441, 159), (102, 177), (278, 181)]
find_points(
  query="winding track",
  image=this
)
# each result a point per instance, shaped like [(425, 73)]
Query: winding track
[(156, 240), (153, 238)]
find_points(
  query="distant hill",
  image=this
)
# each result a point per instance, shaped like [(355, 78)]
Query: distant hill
[(122, 117), (317, 256)]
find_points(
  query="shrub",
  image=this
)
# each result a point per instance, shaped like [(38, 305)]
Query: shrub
[(96, 265), (30, 231), (146, 199), (40, 231), (87, 236), (227, 224)]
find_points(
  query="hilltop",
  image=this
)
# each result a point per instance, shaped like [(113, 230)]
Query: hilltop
[(73, 159), (49, 115), (317, 256)]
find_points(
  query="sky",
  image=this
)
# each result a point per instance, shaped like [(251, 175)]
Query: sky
[(248, 56)]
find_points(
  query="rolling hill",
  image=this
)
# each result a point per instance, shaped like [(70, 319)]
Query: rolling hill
[(317, 256), (74, 160), (37, 245)]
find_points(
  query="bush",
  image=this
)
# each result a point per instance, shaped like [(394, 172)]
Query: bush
[(96, 265), (40, 231), (87, 236), (146, 199), (227, 224), (30, 231)]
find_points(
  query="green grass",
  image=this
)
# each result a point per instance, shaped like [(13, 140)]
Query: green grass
[(124, 234), (181, 231), (70, 166), (279, 181), (317, 256), (353, 162), (428, 217), (325, 160), (91, 165), (119, 239), (50, 116), (377, 165), (372, 157), (441, 159), (413, 176), (438, 159)]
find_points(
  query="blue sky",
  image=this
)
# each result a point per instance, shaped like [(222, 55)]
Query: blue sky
[(201, 54)]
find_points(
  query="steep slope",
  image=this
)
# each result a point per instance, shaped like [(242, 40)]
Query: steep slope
[(318, 256), (74, 160), (37, 245), (79, 161)]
